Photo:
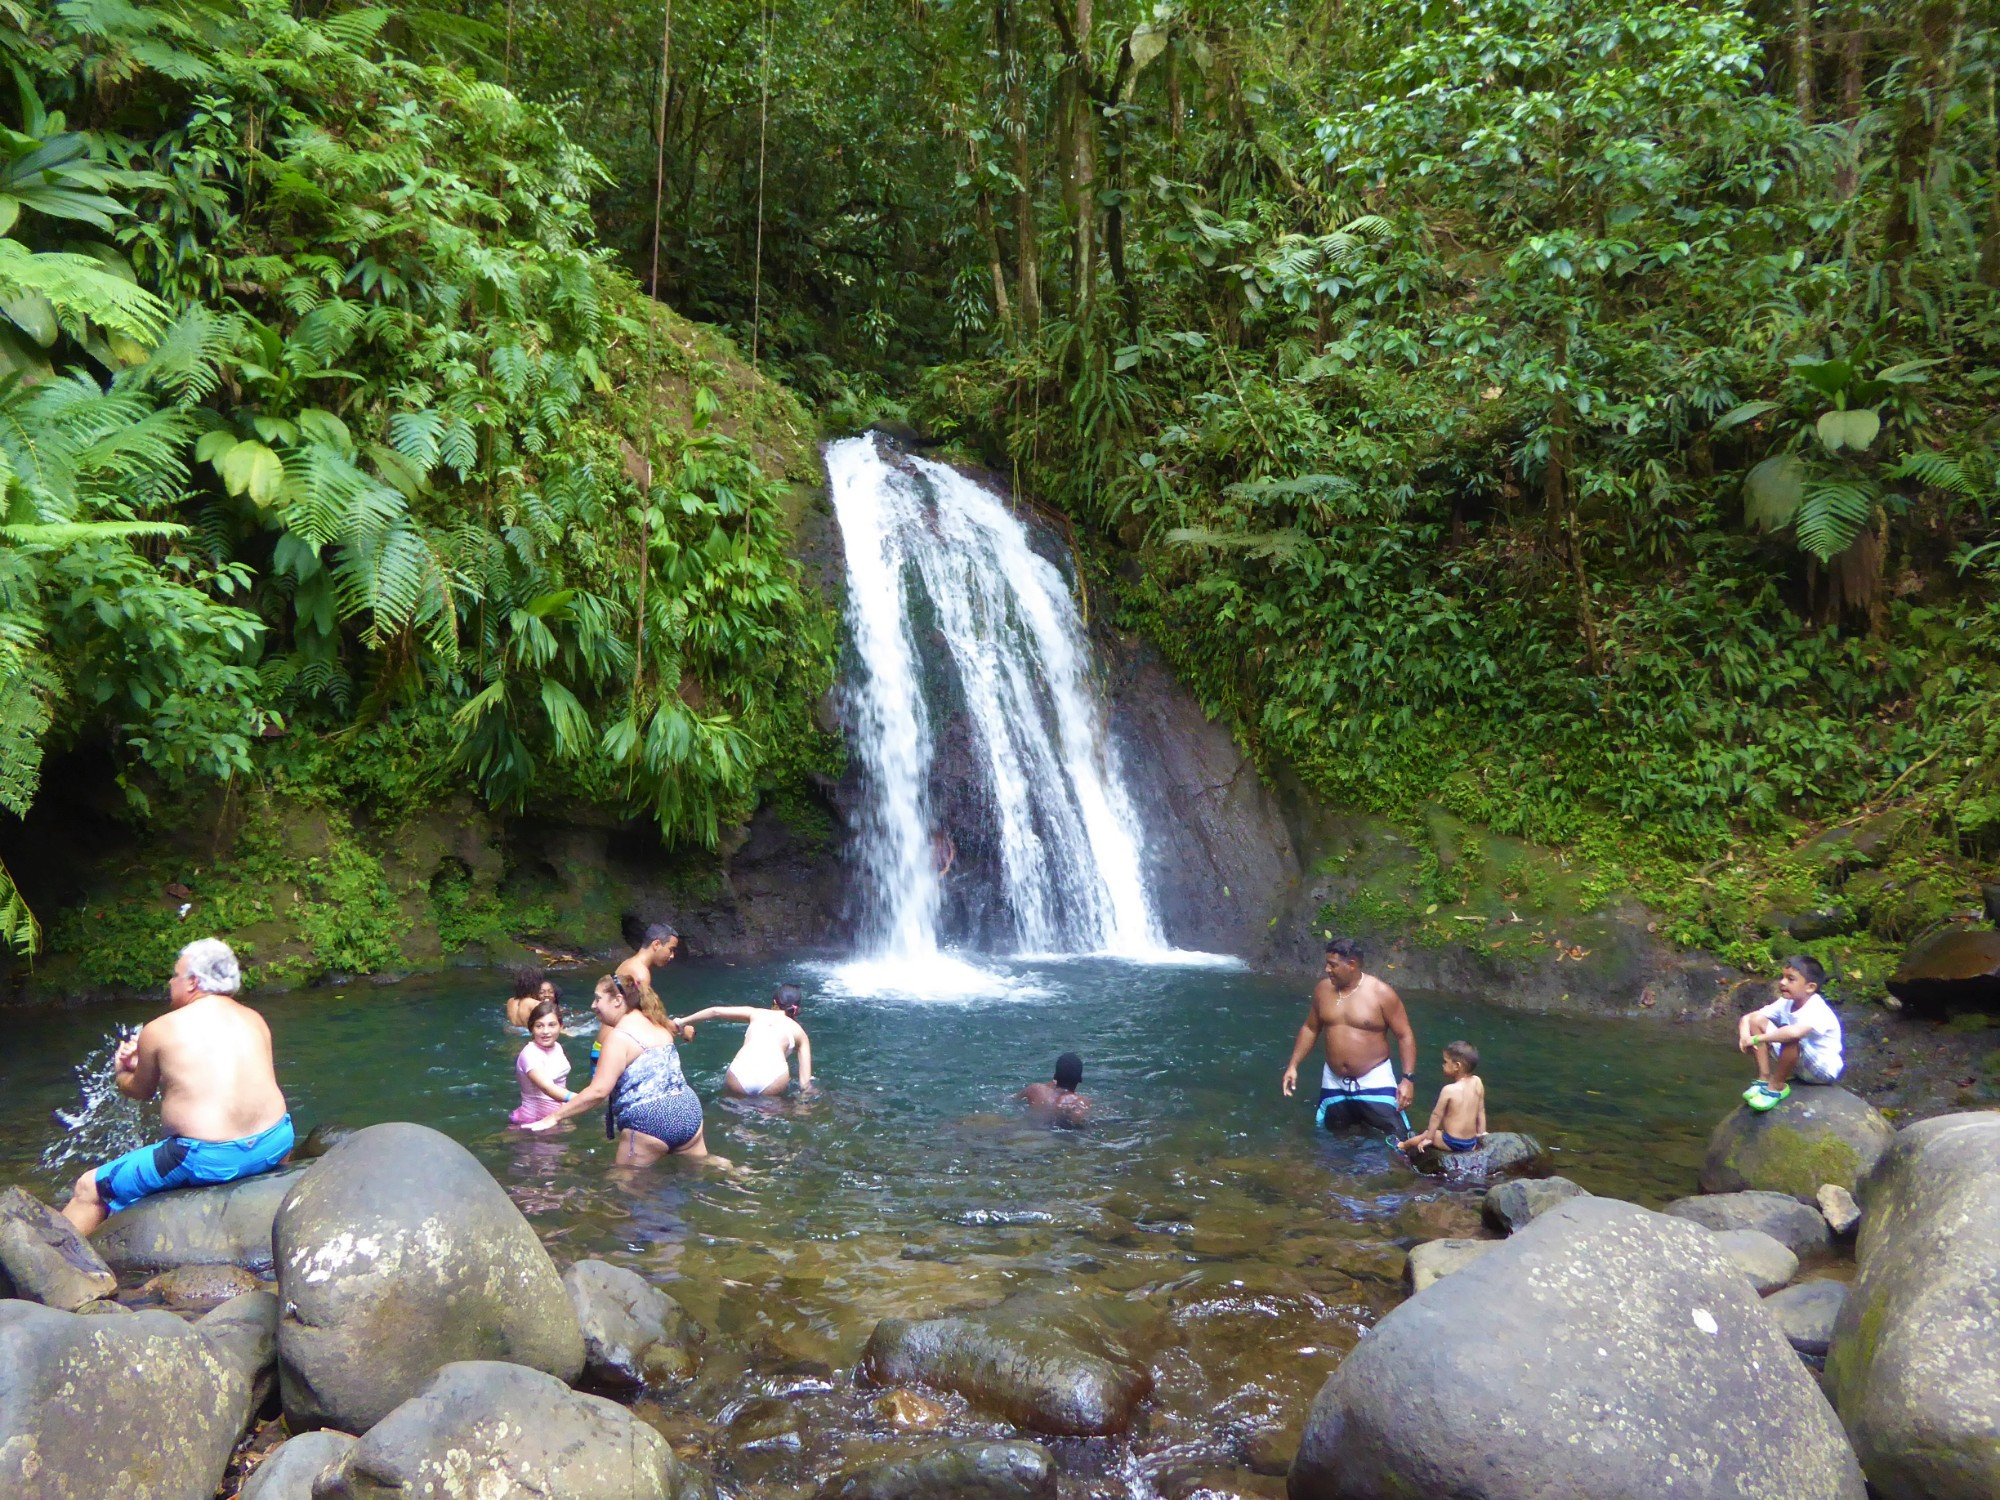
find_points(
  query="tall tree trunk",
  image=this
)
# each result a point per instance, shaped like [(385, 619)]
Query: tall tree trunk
[(1027, 250), (991, 235), (1083, 142), (1802, 58), (1933, 30), (1853, 56)]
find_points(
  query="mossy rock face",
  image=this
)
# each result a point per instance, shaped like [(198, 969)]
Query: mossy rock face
[(1914, 1369), (1819, 1135)]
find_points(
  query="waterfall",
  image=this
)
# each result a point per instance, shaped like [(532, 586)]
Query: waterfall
[(959, 625)]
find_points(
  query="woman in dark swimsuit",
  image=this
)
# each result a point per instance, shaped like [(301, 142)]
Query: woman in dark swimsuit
[(651, 1111)]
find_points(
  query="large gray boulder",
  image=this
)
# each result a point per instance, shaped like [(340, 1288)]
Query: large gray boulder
[(289, 1471), (140, 1407), (229, 1225), (487, 1430), (634, 1334), (1799, 1229), (1819, 1135), (398, 1255), (1597, 1352), (953, 1471), (1915, 1363), (1038, 1362), (44, 1259)]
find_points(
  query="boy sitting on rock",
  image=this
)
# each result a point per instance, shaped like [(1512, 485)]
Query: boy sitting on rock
[(1458, 1122), (1795, 1036)]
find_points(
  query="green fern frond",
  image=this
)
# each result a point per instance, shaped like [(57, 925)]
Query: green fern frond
[(1831, 515)]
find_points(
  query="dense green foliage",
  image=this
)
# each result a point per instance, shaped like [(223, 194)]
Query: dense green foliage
[(1577, 417), (327, 427)]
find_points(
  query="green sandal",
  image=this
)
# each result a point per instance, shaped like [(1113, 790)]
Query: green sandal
[(1756, 1090), (1771, 1100)]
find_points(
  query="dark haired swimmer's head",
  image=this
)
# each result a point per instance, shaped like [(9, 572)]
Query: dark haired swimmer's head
[(1069, 1071)]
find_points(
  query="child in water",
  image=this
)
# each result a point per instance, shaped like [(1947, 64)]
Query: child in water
[(1458, 1121), (542, 1066)]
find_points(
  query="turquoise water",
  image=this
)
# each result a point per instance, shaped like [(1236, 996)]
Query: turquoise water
[(910, 1182)]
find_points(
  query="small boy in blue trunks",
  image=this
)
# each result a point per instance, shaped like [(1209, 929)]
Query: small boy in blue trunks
[(209, 1060), (1458, 1120)]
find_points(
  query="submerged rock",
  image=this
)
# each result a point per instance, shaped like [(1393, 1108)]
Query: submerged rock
[(906, 1411), (1036, 1361), (634, 1334), (1598, 1350), (957, 1471), (1819, 1135), (43, 1259), (1956, 968), (498, 1431), (1509, 1206), (1799, 1229), (1504, 1153), (1437, 1258), (289, 1470), (229, 1225), (397, 1255), (1766, 1264), (1807, 1312), (1915, 1363), (144, 1405), (767, 1424), (199, 1288)]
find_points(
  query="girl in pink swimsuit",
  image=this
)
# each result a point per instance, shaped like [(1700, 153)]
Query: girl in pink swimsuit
[(542, 1066)]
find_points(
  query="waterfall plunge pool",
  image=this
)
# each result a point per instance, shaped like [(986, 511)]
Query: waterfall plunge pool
[(909, 1183)]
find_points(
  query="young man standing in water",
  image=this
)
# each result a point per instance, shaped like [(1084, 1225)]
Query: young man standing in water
[(1354, 1014), (660, 945), (209, 1060)]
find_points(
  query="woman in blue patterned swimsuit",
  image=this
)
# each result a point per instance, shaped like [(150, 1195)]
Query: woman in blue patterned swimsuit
[(649, 1108)]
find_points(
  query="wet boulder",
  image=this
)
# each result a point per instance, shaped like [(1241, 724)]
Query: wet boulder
[(1765, 1264), (634, 1334), (498, 1431), (1596, 1351), (1807, 1313), (229, 1225), (288, 1472), (141, 1405), (952, 1471), (1818, 1135), (1436, 1258), (1838, 1208), (1508, 1206), (397, 1255), (1035, 1361), (43, 1259), (1503, 1153), (1957, 968), (1801, 1230), (1915, 1363)]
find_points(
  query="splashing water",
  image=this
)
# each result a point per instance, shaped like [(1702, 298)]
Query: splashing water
[(105, 1123), (923, 540)]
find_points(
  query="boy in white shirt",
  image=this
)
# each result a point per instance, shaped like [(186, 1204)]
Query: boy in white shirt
[(1795, 1036)]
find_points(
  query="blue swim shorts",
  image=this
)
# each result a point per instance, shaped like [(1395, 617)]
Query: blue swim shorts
[(179, 1162)]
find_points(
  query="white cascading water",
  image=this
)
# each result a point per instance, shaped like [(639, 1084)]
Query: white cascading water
[(1071, 866)]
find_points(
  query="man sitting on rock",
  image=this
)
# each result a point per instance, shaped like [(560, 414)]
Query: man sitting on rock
[(209, 1060), (1354, 1014), (1795, 1036)]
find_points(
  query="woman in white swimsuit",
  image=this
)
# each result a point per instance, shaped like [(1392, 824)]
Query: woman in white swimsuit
[(760, 1066)]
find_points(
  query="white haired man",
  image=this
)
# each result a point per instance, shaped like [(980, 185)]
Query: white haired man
[(209, 1060)]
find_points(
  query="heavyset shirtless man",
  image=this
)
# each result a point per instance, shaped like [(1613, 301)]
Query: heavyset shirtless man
[(209, 1060), (1354, 1014)]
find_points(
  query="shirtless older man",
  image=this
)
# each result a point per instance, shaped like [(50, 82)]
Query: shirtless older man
[(1354, 1014), (209, 1060)]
